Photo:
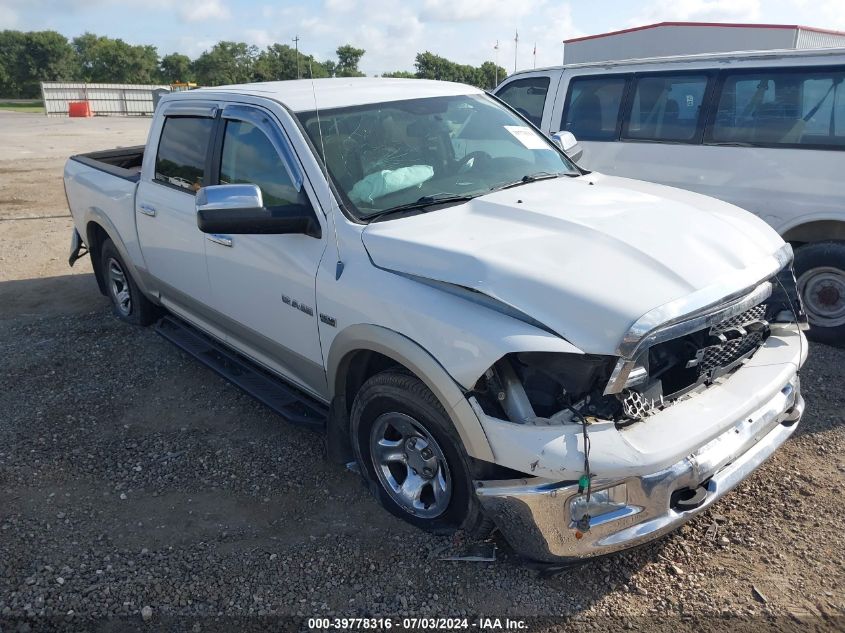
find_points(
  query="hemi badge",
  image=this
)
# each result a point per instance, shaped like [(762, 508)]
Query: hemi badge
[(328, 320)]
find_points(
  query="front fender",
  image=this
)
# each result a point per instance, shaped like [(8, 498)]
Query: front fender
[(408, 353)]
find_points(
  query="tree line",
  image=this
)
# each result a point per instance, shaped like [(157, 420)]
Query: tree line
[(27, 58)]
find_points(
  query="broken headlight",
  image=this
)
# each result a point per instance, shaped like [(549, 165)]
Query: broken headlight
[(533, 387)]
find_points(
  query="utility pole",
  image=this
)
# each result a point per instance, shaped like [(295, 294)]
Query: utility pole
[(496, 48), (535, 54), (296, 44), (515, 48)]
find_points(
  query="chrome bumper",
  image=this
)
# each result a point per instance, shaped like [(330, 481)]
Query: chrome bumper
[(535, 515)]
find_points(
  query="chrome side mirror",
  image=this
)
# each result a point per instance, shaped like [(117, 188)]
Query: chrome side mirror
[(231, 197), (239, 210), (569, 144)]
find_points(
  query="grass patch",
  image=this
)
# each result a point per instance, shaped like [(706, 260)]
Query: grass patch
[(21, 106)]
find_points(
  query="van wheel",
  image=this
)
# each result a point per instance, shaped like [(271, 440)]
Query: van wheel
[(412, 457), (127, 301), (820, 272)]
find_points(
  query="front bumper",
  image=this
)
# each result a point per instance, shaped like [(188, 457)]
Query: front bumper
[(535, 514)]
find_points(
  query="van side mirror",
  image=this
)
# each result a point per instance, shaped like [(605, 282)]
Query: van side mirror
[(569, 144), (240, 210)]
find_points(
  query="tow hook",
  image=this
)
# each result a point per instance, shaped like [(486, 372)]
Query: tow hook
[(687, 499), (794, 413)]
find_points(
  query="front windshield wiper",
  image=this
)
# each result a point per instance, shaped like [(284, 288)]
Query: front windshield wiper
[(540, 175), (421, 203), (731, 144)]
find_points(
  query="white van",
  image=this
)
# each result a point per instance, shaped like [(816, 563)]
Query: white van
[(762, 130)]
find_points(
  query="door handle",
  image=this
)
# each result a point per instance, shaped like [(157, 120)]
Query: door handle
[(223, 240), (147, 210)]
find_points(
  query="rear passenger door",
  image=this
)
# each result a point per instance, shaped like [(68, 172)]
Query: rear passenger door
[(263, 287), (173, 247)]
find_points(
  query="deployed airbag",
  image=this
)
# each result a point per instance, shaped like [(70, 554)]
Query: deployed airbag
[(388, 181)]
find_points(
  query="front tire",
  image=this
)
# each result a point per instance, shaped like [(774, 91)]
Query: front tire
[(128, 303), (820, 272), (412, 457)]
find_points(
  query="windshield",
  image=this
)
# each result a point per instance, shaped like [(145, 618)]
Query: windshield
[(420, 152)]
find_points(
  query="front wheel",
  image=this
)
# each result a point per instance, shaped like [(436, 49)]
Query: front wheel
[(412, 456), (820, 273)]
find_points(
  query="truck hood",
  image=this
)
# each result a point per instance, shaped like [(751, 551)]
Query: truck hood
[(585, 256)]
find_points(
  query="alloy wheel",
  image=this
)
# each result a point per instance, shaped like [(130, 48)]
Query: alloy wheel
[(410, 465), (119, 287)]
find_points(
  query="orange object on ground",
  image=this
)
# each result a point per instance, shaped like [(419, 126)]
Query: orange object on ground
[(79, 108)]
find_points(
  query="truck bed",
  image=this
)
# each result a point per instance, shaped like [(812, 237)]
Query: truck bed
[(124, 162), (100, 187)]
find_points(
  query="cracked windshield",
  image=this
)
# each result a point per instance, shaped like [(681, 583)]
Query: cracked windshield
[(405, 155)]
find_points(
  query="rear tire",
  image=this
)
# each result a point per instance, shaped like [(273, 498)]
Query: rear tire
[(412, 457), (128, 303), (820, 271)]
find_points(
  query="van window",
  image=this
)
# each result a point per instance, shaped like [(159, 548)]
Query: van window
[(592, 107), (249, 157), (527, 96), (666, 108), (781, 108), (180, 161)]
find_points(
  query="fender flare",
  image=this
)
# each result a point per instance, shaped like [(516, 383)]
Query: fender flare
[(403, 350), (819, 228), (97, 216)]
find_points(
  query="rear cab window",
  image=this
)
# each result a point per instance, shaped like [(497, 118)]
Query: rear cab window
[(776, 107), (667, 108), (182, 151), (591, 111), (527, 96)]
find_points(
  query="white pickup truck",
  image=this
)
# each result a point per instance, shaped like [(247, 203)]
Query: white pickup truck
[(495, 336)]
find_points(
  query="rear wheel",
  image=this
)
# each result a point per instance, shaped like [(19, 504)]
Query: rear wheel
[(412, 456), (820, 272), (127, 301)]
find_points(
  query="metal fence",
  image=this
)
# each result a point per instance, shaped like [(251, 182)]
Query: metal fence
[(104, 99)]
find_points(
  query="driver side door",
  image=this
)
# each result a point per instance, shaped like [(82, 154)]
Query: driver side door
[(263, 287)]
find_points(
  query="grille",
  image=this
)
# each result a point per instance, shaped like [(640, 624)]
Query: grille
[(724, 354), (745, 333), (755, 314), (684, 363), (635, 405)]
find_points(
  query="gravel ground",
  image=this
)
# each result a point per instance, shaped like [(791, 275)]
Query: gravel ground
[(140, 491)]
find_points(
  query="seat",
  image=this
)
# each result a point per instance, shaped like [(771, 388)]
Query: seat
[(585, 118), (773, 122), (673, 127)]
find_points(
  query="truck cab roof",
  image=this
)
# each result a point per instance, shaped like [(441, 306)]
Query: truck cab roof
[(300, 95)]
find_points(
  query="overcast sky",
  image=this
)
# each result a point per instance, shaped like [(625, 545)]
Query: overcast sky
[(393, 31)]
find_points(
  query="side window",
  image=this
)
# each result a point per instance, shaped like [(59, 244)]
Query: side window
[(666, 108), (249, 157), (527, 96), (182, 149), (781, 108), (592, 107)]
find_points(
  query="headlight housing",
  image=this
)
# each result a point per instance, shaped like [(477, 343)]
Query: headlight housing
[(530, 387)]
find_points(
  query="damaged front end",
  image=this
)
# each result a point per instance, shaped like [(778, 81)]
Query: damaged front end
[(672, 362), (621, 449)]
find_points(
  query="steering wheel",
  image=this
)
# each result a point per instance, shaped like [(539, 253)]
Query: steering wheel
[(471, 160)]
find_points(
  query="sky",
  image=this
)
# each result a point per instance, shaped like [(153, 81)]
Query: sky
[(393, 31)]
